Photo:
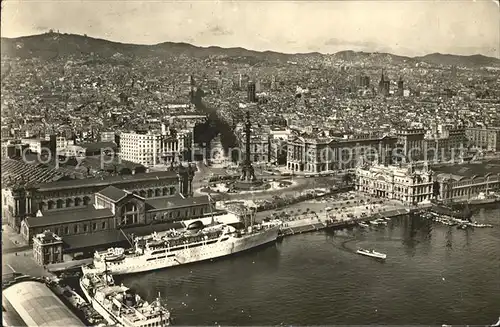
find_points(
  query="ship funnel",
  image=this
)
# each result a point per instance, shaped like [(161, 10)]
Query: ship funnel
[(130, 299)]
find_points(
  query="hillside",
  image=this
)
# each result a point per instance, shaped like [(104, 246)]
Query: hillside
[(51, 46)]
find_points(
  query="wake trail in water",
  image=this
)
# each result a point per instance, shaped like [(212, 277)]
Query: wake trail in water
[(344, 244)]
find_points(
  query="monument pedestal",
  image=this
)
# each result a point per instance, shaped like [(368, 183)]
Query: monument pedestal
[(248, 185)]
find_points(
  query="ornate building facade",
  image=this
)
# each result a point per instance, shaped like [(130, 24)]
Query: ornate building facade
[(315, 155), (484, 138), (453, 187), (114, 209), (47, 248), (21, 200), (412, 185), (405, 184)]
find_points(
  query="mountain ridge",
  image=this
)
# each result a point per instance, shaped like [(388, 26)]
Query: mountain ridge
[(55, 45)]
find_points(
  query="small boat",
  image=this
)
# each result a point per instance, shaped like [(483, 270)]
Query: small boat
[(372, 253), (475, 224), (373, 223), (364, 225), (497, 324), (380, 221)]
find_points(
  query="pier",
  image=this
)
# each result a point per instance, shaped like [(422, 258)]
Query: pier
[(307, 225)]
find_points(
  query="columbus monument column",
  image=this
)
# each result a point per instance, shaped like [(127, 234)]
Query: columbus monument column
[(247, 170)]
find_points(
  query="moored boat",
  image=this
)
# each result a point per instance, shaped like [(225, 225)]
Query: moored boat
[(120, 305), (372, 253), (172, 248), (478, 225), (363, 225)]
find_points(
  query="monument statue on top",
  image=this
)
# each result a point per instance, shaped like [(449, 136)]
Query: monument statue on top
[(247, 170)]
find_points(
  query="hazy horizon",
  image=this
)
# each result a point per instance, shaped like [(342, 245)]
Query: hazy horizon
[(408, 28)]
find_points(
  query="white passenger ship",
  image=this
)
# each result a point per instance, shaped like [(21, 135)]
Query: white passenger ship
[(121, 306), (172, 248)]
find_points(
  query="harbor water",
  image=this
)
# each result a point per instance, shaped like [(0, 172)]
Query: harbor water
[(434, 274)]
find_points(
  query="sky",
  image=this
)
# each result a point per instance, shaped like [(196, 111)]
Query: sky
[(410, 27)]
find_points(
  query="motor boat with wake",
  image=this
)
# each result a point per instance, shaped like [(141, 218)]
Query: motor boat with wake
[(372, 253)]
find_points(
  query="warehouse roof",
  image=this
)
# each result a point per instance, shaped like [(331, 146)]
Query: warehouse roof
[(176, 202), (68, 215), (113, 193), (13, 171), (37, 305), (479, 169), (113, 180)]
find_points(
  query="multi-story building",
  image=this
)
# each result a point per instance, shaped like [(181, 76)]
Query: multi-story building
[(405, 184), (411, 184), (315, 155), (21, 201), (107, 136), (153, 148), (115, 209), (412, 143), (89, 149), (5, 132), (35, 145), (186, 121), (484, 138), (50, 143), (400, 86), (443, 143), (457, 138), (47, 248), (278, 139), (259, 147), (173, 148), (465, 181), (251, 92), (143, 148)]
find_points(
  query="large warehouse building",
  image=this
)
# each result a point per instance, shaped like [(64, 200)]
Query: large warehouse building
[(32, 303)]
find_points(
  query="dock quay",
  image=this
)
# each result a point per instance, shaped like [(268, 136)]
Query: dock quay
[(77, 304), (378, 215), (68, 265), (301, 226), (310, 225)]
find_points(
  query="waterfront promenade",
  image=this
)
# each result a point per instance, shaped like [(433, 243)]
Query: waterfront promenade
[(431, 276)]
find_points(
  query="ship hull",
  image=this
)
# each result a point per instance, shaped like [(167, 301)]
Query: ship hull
[(483, 201), (143, 263), (97, 306)]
